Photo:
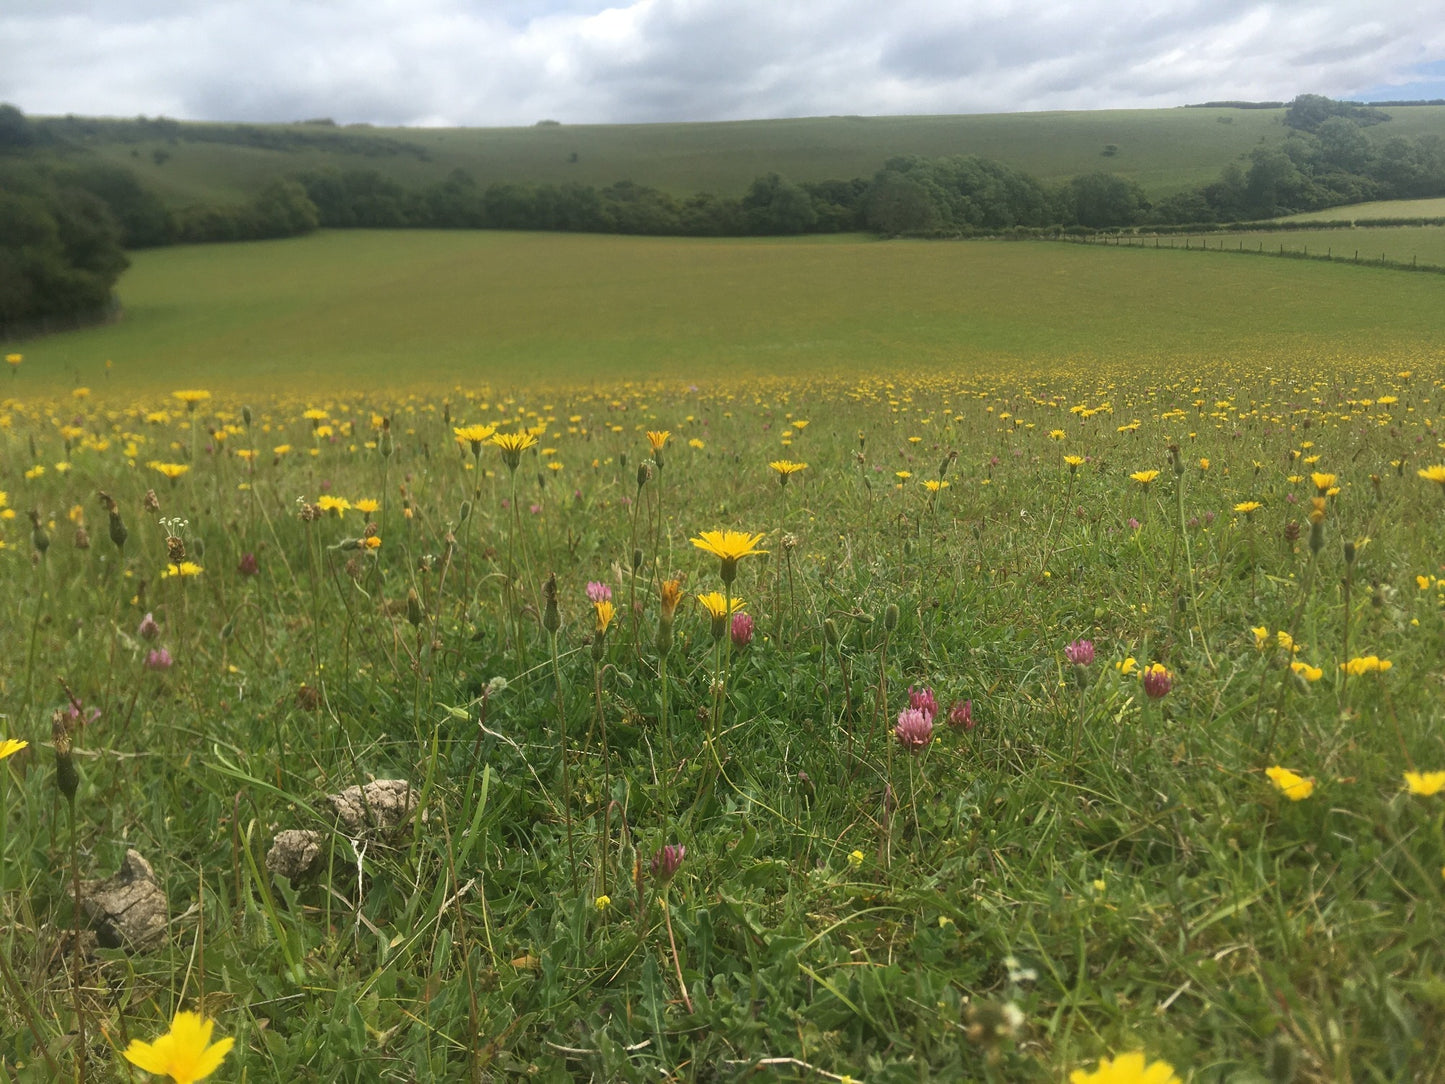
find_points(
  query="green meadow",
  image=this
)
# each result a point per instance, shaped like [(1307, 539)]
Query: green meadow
[(1164, 150), (365, 308), (492, 656), (1369, 212)]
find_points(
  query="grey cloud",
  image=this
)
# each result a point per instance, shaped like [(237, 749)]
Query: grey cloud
[(515, 62)]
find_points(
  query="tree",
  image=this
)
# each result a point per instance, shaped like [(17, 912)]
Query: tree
[(1103, 199), (776, 206)]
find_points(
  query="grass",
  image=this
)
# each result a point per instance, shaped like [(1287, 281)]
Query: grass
[(1076, 869), (1422, 245), (362, 308), (1164, 150), (1367, 212)]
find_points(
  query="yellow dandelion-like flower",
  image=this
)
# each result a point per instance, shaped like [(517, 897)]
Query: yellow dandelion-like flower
[(1126, 1069), (372, 542), (474, 435), (339, 505), (1422, 783), (1144, 477), (1434, 474), (192, 397), (696, 443), (1074, 462), (786, 467), (170, 470), (1306, 671), (185, 568), (513, 445), (729, 547), (281, 449), (1323, 482), (719, 608), (10, 746), (1057, 434), (658, 438), (605, 612), (14, 359), (1294, 787), (367, 505), (185, 1053), (1261, 636), (1248, 508), (933, 485)]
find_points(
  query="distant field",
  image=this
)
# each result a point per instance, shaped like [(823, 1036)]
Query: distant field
[(1164, 150), (351, 309), (1365, 212), (1397, 244)]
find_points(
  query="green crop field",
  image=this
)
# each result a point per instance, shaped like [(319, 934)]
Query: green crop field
[(1164, 150), (359, 308), (1368, 212), (1422, 245)]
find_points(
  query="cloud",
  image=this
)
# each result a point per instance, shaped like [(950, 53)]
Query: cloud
[(513, 62)]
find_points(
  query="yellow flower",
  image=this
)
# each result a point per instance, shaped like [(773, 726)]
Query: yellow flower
[(1204, 464), (475, 435), (671, 594), (328, 503), (785, 467), (513, 445), (185, 568), (1323, 482), (372, 542), (34, 472), (1424, 583), (716, 605), (729, 547), (1423, 783), (695, 443), (1128, 666), (14, 359), (903, 475), (1057, 434), (185, 1053), (1366, 664), (602, 902), (170, 470), (1074, 462), (855, 858), (1261, 636), (368, 505), (1248, 507), (1434, 474), (1126, 1069), (281, 449), (1144, 477), (933, 485), (1306, 671), (1294, 787), (605, 612), (10, 746), (657, 438), (191, 397)]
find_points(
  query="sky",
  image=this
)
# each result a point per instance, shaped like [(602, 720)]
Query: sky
[(506, 62)]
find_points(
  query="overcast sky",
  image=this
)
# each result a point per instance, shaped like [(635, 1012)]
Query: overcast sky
[(506, 62)]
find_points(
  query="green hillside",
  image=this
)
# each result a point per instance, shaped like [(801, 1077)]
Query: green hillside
[(1164, 150), (363, 308)]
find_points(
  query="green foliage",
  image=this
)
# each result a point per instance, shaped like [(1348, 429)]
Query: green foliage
[(60, 254)]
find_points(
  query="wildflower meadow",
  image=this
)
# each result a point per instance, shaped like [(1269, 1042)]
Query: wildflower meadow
[(1033, 725)]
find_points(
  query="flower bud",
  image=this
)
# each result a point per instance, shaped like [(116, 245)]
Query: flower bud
[(890, 616), (830, 631)]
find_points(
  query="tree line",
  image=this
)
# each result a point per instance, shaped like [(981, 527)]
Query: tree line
[(65, 218)]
